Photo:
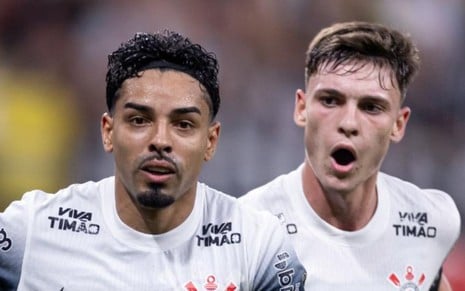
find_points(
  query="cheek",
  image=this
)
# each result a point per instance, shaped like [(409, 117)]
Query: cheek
[(202, 150), (385, 134), (121, 154), (126, 146), (380, 147), (192, 149), (314, 129), (314, 139), (378, 130)]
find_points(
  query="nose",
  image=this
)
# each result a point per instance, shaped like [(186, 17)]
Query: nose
[(349, 123), (161, 138)]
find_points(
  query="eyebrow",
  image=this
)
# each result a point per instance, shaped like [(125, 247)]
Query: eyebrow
[(185, 110), (341, 94), (177, 111), (138, 107), (330, 91)]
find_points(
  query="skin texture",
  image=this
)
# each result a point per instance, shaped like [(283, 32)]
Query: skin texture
[(352, 111), (160, 134), (444, 284)]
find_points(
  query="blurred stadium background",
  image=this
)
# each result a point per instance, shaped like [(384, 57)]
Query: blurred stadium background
[(53, 58)]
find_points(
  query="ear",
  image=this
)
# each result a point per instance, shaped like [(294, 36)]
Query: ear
[(213, 136), (300, 116), (399, 127), (106, 129)]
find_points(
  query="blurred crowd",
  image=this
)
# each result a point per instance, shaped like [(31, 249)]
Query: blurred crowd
[(53, 57)]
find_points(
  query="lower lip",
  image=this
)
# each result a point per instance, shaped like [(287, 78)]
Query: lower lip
[(157, 178), (341, 168)]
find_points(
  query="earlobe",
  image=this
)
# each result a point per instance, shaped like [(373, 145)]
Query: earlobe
[(106, 129), (213, 136), (400, 125), (299, 108)]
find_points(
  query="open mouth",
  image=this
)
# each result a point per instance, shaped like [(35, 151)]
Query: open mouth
[(158, 167), (158, 170), (343, 156)]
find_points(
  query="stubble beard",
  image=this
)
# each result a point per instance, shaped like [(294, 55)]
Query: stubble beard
[(154, 198)]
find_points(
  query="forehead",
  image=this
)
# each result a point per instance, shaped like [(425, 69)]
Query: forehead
[(168, 87), (357, 77)]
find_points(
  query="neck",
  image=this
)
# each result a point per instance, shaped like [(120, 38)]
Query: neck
[(345, 210)]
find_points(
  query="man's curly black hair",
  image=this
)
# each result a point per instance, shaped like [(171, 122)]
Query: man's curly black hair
[(169, 47)]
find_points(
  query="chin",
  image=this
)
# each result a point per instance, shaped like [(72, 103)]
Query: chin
[(154, 199), (339, 185)]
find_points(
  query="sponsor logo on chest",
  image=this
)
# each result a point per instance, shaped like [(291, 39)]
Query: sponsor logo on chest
[(218, 235), (414, 224), (69, 219)]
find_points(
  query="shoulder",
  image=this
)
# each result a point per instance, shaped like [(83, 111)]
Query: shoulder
[(86, 191), (37, 199), (261, 234), (21, 220), (410, 193), (221, 203), (436, 204), (250, 221), (277, 262), (272, 194)]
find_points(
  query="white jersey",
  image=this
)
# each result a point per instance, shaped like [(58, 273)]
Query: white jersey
[(401, 248), (75, 240)]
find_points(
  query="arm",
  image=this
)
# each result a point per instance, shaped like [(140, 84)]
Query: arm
[(278, 267), (451, 231), (13, 229), (440, 283), (444, 284)]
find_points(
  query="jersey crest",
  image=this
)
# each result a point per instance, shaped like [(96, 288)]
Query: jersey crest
[(411, 282), (210, 285)]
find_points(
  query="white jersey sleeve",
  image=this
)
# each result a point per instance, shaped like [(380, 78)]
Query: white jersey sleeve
[(13, 234), (272, 257), (451, 223)]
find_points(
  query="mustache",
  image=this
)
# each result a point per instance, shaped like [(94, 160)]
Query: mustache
[(159, 157)]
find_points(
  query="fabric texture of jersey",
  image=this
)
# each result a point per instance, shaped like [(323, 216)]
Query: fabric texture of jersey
[(74, 240), (401, 248)]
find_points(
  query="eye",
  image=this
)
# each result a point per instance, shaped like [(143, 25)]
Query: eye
[(329, 101), (138, 120), (184, 124), (372, 108)]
